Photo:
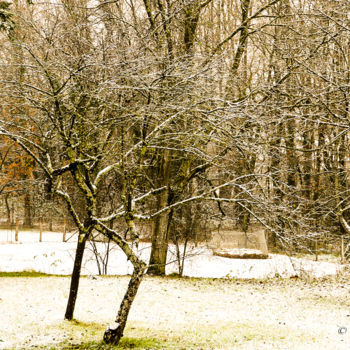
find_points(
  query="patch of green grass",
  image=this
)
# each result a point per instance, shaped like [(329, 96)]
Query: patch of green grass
[(125, 343), (88, 335), (21, 228), (140, 336), (89, 331), (27, 273), (174, 275), (33, 273)]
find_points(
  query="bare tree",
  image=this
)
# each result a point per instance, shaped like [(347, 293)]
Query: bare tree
[(95, 116)]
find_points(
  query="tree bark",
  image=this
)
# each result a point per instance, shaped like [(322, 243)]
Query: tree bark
[(115, 332), (27, 211), (74, 284), (160, 235), (8, 209), (160, 239)]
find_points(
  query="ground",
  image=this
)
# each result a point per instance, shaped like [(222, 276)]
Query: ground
[(173, 313), (307, 309), (56, 257)]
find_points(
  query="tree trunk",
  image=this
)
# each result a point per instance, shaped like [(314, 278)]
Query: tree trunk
[(346, 228), (160, 239), (160, 235), (74, 284), (8, 209), (114, 333), (27, 211)]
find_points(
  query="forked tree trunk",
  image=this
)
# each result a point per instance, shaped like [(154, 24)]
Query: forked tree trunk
[(115, 332), (74, 284)]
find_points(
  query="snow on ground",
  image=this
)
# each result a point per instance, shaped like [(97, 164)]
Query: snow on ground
[(56, 257)]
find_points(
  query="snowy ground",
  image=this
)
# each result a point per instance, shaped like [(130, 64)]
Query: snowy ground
[(56, 257), (182, 314), (291, 314)]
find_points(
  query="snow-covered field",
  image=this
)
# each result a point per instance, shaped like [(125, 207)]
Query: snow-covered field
[(191, 314), (56, 257), (291, 314)]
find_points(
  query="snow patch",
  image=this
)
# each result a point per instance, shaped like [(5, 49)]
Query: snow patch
[(56, 257)]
